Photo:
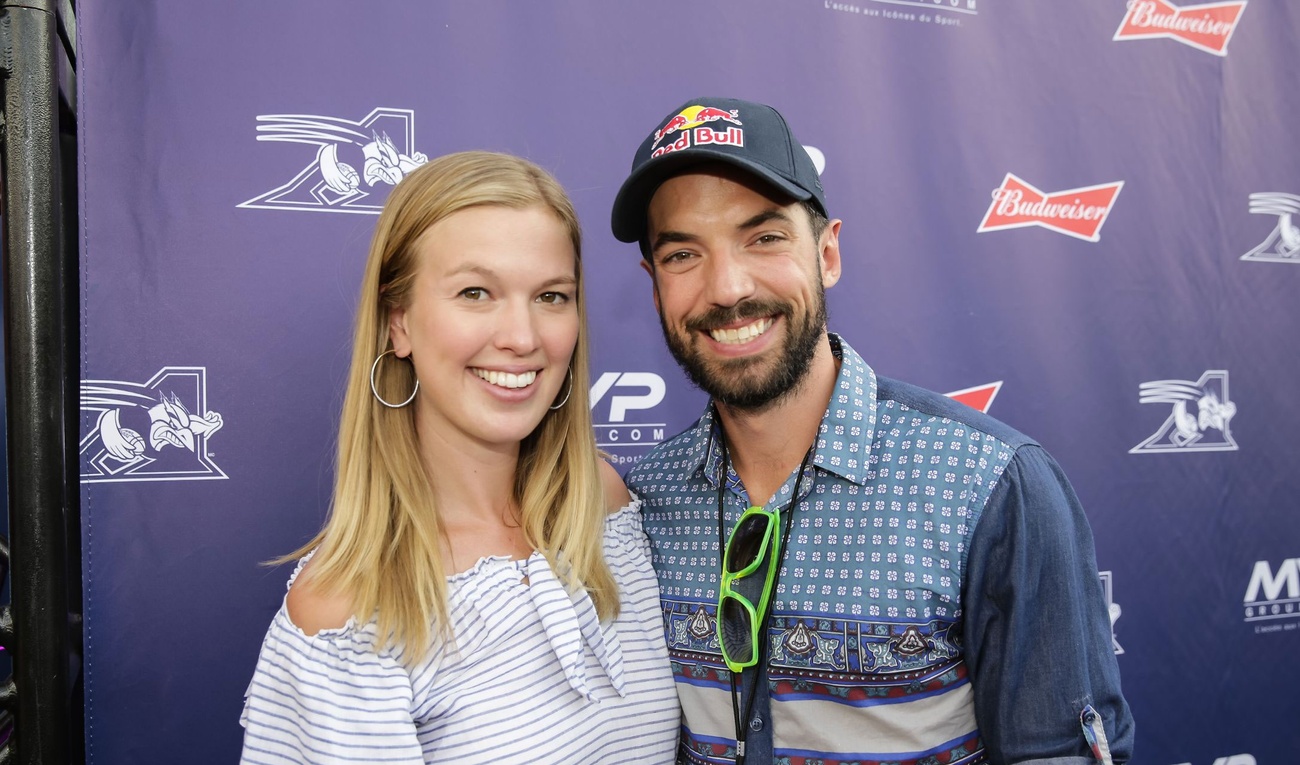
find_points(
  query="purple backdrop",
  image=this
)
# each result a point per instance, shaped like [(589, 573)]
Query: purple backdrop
[(1089, 204)]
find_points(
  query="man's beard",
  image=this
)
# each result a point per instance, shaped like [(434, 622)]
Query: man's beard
[(743, 383)]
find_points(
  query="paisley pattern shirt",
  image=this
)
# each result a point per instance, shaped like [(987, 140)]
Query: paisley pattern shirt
[(938, 601)]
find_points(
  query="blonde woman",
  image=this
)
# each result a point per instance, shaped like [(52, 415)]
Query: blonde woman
[(482, 591)]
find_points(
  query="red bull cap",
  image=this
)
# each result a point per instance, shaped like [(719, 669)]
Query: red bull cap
[(753, 137)]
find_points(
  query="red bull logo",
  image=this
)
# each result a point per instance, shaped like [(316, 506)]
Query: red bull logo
[(695, 116), (702, 136), (1074, 212), (1206, 27)]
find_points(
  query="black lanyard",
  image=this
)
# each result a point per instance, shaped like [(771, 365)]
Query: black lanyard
[(765, 617)]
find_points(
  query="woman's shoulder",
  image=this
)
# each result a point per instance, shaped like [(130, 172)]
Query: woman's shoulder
[(616, 493), (623, 512), (312, 608)]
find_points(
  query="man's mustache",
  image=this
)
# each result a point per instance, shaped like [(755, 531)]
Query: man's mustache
[(748, 309)]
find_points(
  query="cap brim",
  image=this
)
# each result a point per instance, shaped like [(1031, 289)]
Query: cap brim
[(628, 219)]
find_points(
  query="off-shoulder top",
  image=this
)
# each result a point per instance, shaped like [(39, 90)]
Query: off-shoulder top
[(534, 677)]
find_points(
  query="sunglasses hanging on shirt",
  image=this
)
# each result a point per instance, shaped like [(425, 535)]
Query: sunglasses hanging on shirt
[(751, 567), (748, 572)]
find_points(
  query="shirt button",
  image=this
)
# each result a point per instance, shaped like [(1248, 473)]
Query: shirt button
[(756, 724), (1088, 717)]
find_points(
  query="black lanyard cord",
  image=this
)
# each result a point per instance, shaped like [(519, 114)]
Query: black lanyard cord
[(765, 617)]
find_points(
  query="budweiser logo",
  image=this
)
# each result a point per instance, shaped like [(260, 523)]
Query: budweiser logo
[(1074, 212), (1206, 27)]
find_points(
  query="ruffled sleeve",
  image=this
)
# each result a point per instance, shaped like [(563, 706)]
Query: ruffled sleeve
[(327, 698), (623, 530)]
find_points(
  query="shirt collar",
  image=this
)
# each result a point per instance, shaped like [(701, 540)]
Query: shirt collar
[(844, 438)]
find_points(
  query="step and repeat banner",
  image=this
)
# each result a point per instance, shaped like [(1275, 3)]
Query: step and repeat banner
[(1083, 218)]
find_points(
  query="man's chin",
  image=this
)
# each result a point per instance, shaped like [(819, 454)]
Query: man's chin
[(742, 386), (748, 368), (751, 400)]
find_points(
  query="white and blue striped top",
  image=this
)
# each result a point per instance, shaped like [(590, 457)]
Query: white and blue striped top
[(534, 676)]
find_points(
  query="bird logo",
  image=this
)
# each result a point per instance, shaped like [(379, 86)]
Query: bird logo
[(171, 408), (1206, 430), (380, 144), (1282, 245)]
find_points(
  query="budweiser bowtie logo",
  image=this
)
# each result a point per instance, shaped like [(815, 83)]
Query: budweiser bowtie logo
[(1074, 212), (1207, 27)]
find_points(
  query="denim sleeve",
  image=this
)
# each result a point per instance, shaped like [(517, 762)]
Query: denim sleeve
[(1038, 635)]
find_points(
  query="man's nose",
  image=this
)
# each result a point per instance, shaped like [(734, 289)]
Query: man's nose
[(730, 280)]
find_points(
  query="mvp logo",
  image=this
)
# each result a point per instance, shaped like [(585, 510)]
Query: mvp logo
[(1273, 594), (627, 392)]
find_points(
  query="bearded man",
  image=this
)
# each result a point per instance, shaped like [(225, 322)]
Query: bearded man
[(852, 569)]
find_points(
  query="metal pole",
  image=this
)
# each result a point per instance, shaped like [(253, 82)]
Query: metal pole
[(35, 285)]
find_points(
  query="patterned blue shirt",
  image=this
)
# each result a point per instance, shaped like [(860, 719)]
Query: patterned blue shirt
[(938, 602)]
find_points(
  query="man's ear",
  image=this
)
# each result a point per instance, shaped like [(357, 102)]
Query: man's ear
[(829, 260), (649, 268), (397, 334)]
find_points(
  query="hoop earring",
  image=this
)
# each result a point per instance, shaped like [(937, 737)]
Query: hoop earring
[(567, 393), (373, 389)]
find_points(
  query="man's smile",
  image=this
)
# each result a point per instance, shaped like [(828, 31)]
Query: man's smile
[(742, 334)]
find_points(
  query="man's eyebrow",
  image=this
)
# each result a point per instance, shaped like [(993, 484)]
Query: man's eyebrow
[(766, 216), (679, 237), (671, 237)]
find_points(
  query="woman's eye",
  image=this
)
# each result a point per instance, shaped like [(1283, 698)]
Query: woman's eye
[(473, 293), (553, 297)]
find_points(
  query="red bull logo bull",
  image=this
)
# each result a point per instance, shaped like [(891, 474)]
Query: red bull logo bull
[(709, 114), (695, 116)]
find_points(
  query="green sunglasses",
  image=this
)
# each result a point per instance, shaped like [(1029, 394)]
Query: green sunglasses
[(749, 566)]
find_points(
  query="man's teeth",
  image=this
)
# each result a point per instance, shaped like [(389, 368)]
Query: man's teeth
[(743, 334), (506, 379)]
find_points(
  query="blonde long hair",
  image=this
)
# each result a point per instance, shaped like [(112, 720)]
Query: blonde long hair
[(381, 544)]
